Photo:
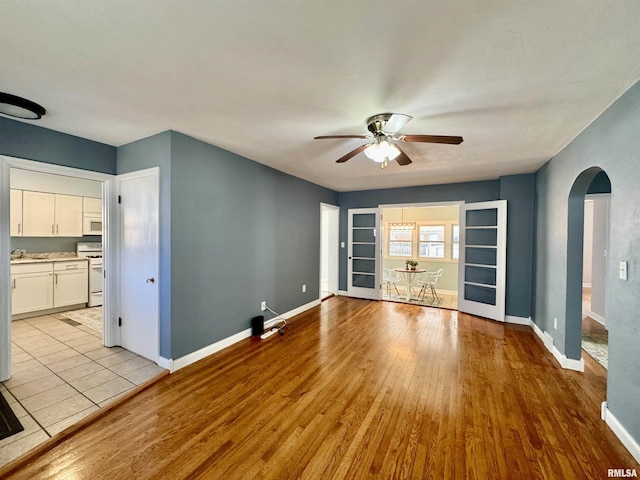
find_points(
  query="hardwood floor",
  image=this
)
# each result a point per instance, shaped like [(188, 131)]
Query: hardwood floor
[(358, 389)]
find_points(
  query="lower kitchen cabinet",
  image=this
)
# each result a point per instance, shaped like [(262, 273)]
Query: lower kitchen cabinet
[(31, 287), (71, 283), (43, 286)]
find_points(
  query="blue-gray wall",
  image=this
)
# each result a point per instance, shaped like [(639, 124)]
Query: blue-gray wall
[(233, 233), (516, 189), (612, 144), (241, 233), (31, 142)]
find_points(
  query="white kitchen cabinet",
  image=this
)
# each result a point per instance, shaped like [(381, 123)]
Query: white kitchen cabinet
[(71, 283), (92, 205), (15, 207), (68, 215), (51, 214), (38, 211), (31, 287)]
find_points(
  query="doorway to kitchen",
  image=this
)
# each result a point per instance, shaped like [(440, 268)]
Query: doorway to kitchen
[(420, 247), (40, 187)]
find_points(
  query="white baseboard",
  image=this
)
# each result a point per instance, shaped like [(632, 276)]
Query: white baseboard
[(625, 437), (568, 363), (343, 293), (598, 318), (177, 364), (517, 320), (547, 339), (166, 363)]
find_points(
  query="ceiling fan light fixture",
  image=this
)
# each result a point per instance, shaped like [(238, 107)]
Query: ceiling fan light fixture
[(19, 107), (381, 151)]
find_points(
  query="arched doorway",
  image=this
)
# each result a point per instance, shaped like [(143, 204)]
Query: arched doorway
[(593, 181)]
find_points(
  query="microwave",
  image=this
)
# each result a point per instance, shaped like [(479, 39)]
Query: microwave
[(92, 224)]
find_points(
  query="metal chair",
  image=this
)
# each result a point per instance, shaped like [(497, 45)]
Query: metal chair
[(428, 282)]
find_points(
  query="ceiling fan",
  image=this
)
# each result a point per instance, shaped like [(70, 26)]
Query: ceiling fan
[(384, 128)]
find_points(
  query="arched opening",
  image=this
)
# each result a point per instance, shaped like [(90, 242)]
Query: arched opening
[(594, 186)]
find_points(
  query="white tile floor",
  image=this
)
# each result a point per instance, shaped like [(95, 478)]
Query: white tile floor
[(60, 374)]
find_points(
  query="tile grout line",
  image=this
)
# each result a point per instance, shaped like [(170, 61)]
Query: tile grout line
[(63, 380)]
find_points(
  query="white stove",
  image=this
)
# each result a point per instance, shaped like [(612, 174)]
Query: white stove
[(93, 251)]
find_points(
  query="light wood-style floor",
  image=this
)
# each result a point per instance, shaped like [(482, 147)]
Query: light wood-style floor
[(358, 389)]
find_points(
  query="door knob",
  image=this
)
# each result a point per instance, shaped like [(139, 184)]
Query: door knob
[(151, 280)]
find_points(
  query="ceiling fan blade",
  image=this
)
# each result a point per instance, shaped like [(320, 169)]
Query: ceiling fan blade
[(431, 139), (323, 137), (396, 122), (353, 153), (402, 159)]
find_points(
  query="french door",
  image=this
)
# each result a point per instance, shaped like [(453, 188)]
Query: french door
[(364, 244), (482, 264)]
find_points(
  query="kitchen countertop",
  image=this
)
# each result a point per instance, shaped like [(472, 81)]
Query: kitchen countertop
[(47, 257)]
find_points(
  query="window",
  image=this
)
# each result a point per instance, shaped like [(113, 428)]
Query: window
[(400, 243), (431, 241), (455, 245)]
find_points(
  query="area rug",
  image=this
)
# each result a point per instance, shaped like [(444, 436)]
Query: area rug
[(90, 317), (596, 345), (9, 423)]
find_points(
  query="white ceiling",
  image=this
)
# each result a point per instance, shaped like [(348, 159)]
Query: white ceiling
[(517, 79)]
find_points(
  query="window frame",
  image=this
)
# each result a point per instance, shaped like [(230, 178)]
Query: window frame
[(415, 240)]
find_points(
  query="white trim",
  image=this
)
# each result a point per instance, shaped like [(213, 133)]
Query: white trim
[(568, 363), (333, 237), (547, 339), (166, 363), (623, 435), (154, 172), (598, 318), (517, 320), (586, 285), (343, 293), (109, 249), (177, 364)]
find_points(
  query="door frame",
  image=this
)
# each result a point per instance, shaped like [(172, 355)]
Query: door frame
[(333, 238), (108, 242), (154, 172), (454, 203)]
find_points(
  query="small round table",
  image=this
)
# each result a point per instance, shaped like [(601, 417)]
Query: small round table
[(409, 277)]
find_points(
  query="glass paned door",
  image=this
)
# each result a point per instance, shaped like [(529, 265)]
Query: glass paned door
[(363, 247), (483, 247)]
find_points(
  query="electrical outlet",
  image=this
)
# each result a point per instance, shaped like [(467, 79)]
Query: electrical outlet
[(263, 306), (555, 323), (304, 288)]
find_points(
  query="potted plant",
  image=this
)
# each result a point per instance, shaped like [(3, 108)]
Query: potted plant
[(412, 264)]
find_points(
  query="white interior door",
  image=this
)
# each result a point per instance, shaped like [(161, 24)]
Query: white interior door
[(483, 259), (364, 244), (139, 218)]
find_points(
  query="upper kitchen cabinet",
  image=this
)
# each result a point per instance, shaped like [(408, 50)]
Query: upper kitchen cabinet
[(15, 216), (92, 205), (51, 215), (68, 216)]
